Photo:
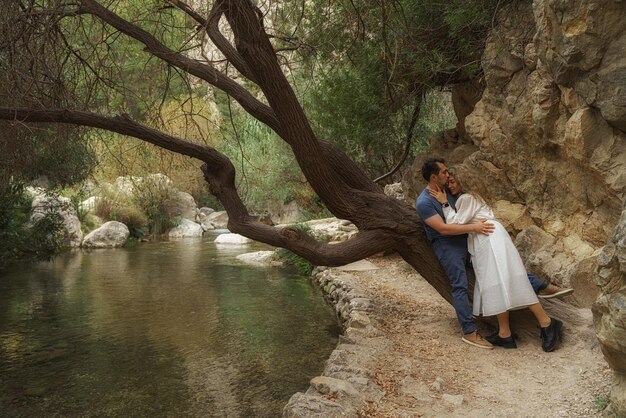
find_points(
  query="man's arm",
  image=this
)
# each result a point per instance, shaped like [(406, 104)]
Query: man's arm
[(436, 223)]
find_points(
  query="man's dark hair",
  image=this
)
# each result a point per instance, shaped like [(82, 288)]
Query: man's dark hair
[(430, 167)]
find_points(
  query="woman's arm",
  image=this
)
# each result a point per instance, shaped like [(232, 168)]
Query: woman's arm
[(467, 206), (437, 223)]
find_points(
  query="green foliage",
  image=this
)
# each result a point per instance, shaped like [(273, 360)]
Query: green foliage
[(77, 196), (155, 200), (20, 239), (126, 212), (132, 217), (58, 153), (600, 403), (205, 199), (149, 210), (121, 77), (371, 63), (43, 238), (32, 76), (267, 173), (303, 266)]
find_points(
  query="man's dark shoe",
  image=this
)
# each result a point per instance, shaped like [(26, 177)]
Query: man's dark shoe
[(551, 335), (508, 342)]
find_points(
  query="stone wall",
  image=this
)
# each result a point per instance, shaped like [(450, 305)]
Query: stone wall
[(346, 383), (548, 139)]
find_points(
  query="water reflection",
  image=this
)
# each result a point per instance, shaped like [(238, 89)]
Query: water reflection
[(160, 329)]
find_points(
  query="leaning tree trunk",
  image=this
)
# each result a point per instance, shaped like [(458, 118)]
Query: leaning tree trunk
[(384, 223)]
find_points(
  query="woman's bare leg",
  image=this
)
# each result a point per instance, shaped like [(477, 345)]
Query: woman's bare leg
[(504, 330), (540, 314)]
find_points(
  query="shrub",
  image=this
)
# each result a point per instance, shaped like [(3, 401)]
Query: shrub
[(154, 198), (132, 217), (19, 238), (103, 208), (124, 211), (301, 264), (150, 209)]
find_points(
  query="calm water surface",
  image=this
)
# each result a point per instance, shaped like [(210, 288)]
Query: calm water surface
[(175, 328)]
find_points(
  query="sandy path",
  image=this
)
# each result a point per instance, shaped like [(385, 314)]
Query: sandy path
[(428, 371)]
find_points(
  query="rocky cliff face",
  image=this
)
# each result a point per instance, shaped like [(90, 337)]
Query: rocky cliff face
[(609, 311), (548, 138)]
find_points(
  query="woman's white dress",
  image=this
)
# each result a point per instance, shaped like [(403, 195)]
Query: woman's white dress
[(501, 280)]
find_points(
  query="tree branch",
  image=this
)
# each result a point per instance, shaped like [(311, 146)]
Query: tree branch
[(223, 44), (194, 67), (211, 26), (409, 140), (220, 175), (362, 245), (121, 124)]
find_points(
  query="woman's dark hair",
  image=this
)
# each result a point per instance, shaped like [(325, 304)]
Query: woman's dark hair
[(430, 167)]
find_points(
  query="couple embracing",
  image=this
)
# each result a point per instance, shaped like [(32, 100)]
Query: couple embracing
[(458, 220)]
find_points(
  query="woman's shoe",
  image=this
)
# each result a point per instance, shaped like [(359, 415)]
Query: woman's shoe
[(550, 335), (508, 342)]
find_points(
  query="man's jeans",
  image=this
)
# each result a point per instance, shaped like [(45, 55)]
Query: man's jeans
[(537, 283), (452, 254)]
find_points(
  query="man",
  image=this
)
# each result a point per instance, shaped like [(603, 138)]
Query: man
[(450, 246)]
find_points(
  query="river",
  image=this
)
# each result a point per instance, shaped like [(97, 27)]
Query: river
[(169, 328)]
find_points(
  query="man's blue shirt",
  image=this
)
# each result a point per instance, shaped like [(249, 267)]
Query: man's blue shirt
[(427, 206)]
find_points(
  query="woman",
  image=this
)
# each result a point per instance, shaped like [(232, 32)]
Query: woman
[(501, 280)]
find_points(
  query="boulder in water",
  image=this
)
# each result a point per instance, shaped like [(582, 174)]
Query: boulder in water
[(110, 234), (186, 229)]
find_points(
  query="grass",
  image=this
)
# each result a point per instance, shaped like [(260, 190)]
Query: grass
[(600, 403)]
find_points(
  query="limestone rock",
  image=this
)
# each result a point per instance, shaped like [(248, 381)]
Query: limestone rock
[(331, 229), (358, 320), (582, 45), (89, 204), (310, 406), (186, 229), (202, 220), (454, 401), (609, 311), (549, 133), (261, 258), (110, 234), (288, 213), (586, 290), (232, 239), (394, 190), (513, 216), (43, 204), (334, 387), (206, 211), (34, 192), (184, 205), (218, 219)]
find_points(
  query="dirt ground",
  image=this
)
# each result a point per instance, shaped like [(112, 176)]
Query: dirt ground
[(427, 371)]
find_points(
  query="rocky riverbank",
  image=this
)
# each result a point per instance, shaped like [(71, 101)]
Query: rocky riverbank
[(401, 355)]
